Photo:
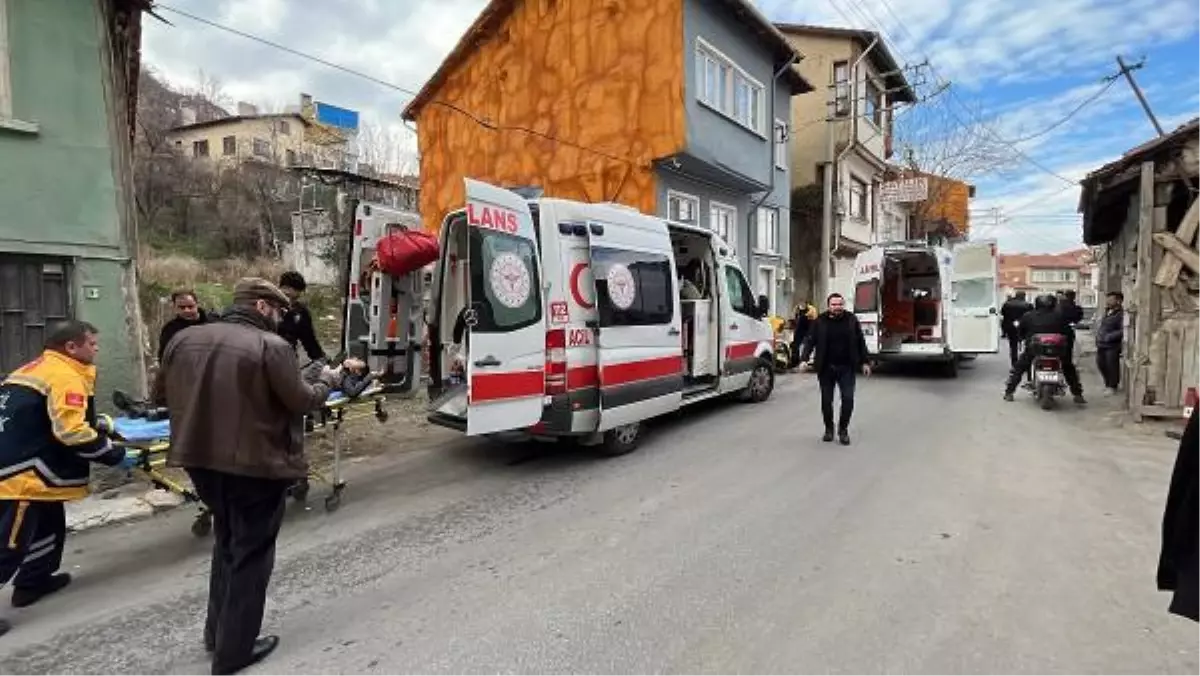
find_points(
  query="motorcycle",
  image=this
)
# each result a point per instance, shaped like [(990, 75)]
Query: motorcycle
[(1046, 370)]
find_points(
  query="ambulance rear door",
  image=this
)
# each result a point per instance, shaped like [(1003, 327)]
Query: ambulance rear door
[(974, 312), (868, 295), (507, 326), (640, 348)]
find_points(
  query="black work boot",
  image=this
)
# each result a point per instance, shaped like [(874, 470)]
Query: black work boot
[(262, 647), (1080, 400), (844, 437), (828, 435), (27, 596), (1008, 396)]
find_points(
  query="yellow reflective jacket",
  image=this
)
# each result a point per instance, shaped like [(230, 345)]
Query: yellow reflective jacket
[(47, 430)]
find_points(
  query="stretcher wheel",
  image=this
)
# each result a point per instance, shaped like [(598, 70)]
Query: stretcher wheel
[(299, 491), (334, 501), (381, 416), (202, 526)]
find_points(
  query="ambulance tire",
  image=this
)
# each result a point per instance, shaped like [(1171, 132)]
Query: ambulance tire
[(621, 440), (762, 382)]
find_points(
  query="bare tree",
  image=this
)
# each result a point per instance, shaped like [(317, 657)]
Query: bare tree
[(943, 138), (387, 149)]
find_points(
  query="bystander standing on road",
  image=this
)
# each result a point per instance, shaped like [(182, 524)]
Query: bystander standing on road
[(296, 326), (1010, 314), (838, 350), (188, 313), (1110, 334), (1180, 557), (48, 437), (237, 402)]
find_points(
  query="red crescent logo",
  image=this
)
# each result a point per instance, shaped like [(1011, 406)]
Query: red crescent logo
[(576, 292)]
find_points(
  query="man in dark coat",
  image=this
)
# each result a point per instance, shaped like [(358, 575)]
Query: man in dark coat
[(1044, 319), (1110, 334), (1010, 313), (296, 327), (841, 354), (188, 313), (1180, 556)]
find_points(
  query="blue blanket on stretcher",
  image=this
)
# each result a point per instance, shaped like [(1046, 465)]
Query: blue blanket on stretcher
[(140, 429)]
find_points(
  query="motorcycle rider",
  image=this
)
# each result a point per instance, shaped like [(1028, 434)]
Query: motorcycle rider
[(1044, 319), (1010, 313)]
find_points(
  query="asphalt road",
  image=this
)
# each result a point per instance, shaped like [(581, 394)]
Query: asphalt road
[(958, 534)]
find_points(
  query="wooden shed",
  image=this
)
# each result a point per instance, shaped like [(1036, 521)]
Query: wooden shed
[(1140, 215)]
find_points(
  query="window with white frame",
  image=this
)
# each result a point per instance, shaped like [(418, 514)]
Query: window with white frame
[(781, 139), (859, 198), (722, 219), (1049, 275), (767, 231), (6, 103), (723, 86), (841, 88), (682, 207)]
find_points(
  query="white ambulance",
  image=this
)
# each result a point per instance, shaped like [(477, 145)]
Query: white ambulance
[(918, 302), (574, 320)]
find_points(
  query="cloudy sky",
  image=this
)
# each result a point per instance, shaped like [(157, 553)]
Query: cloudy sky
[(1019, 66)]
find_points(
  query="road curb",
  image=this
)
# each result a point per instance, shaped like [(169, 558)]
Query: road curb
[(112, 507)]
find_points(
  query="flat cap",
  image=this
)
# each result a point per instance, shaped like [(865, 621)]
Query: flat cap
[(251, 289)]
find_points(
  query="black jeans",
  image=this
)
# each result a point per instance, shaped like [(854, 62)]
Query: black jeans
[(33, 533), (1014, 349), (1025, 362), (247, 514), (1108, 361), (842, 378)]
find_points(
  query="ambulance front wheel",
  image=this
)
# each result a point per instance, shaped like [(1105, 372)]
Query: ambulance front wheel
[(621, 440), (762, 382)]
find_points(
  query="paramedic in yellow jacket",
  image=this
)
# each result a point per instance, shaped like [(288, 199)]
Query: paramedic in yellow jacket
[(48, 436)]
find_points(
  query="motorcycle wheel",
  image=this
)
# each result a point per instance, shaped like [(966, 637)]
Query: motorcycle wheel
[(1046, 397)]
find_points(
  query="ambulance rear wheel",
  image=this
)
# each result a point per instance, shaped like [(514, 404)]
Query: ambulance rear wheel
[(621, 440), (762, 382)]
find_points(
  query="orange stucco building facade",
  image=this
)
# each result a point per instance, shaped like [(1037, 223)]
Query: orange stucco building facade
[(604, 77)]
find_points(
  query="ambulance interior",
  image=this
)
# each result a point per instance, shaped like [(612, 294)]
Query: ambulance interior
[(696, 272), (910, 300), (448, 357)]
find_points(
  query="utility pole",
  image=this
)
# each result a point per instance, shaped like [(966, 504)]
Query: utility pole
[(824, 269), (1127, 71)]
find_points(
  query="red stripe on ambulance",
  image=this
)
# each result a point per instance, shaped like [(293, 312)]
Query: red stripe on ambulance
[(647, 369), (511, 385), (741, 350)]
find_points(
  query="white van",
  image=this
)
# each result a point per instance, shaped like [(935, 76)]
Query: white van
[(918, 302), (575, 321)]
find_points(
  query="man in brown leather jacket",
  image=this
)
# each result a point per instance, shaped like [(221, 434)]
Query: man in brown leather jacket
[(237, 401)]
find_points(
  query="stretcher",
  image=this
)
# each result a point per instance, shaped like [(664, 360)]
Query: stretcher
[(148, 441)]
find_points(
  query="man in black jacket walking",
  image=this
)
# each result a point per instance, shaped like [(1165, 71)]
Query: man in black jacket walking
[(1010, 313), (1110, 334), (840, 350)]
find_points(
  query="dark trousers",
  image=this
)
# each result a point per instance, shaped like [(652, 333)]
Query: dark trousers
[(842, 378), (34, 532), (1108, 361), (1025, 362), (247, 514), (1014, 349)]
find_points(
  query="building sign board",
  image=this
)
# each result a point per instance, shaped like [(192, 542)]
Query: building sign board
[(904, 190)]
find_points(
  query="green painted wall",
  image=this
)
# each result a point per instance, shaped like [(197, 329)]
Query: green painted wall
[(59, 192)]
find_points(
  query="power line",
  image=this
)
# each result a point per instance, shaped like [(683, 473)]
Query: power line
[(483, 122), (1108, 83)]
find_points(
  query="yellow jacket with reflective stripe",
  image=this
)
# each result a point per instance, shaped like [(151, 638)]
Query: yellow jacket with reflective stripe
[(47, 430)]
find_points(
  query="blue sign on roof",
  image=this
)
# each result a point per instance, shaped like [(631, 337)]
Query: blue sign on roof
[(336, 117)]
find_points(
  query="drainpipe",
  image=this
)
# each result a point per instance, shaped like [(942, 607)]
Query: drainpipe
[(828, 242), (771, 171)]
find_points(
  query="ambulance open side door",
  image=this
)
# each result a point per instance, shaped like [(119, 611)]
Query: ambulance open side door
[(974, 312), (506, 323), (868, 295), (638, 326)]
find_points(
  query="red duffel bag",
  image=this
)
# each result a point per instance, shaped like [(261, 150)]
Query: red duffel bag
[(405, 251)]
